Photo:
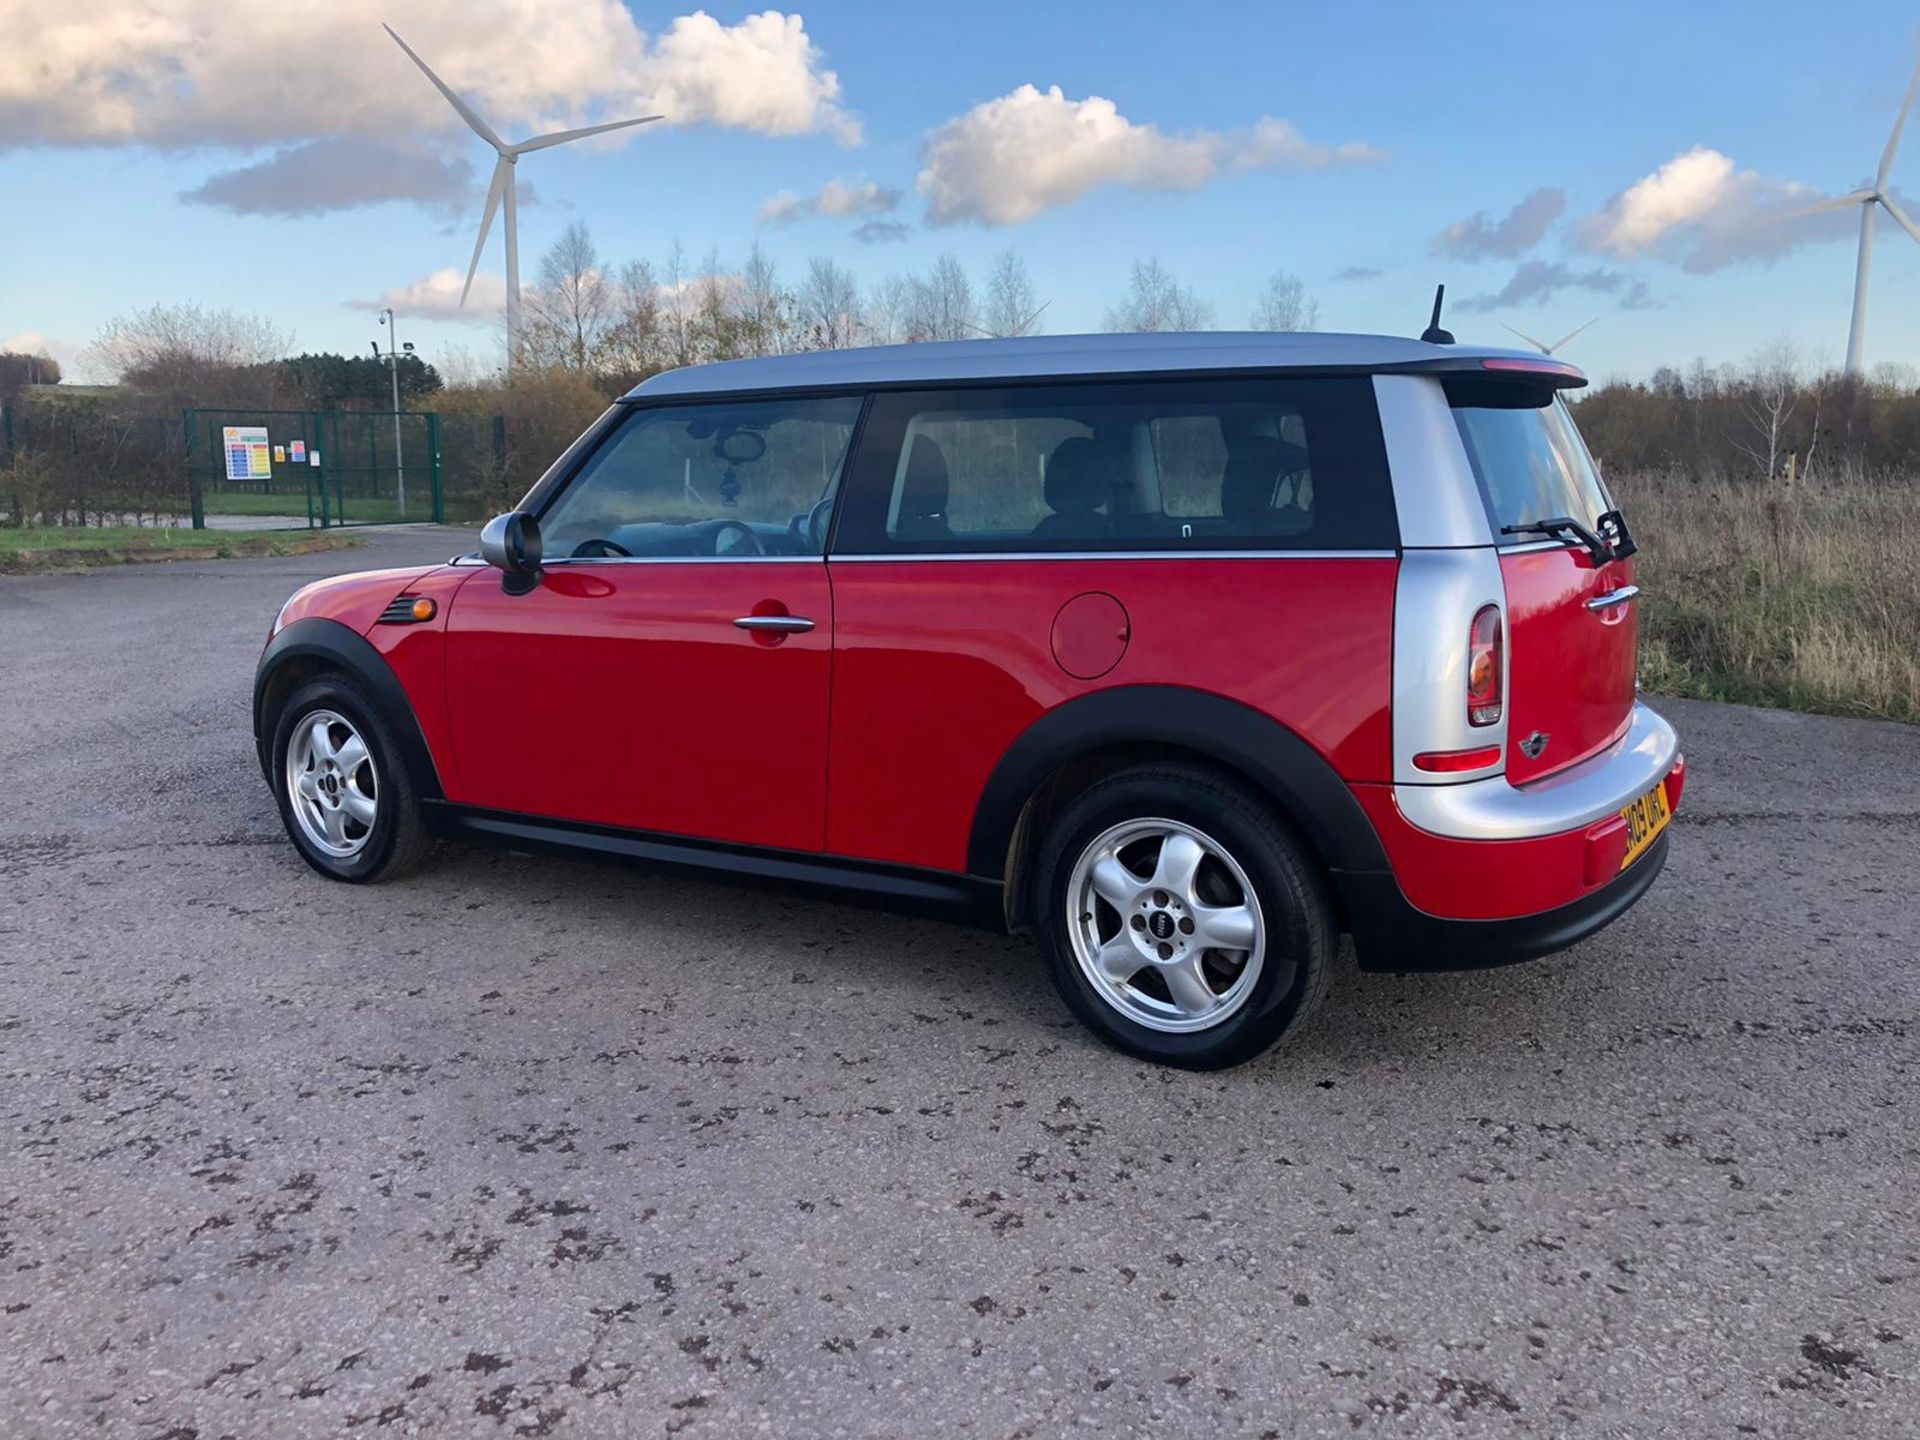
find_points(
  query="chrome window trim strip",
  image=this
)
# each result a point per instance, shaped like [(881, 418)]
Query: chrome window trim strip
[(907, 558), (1569, 799), (684, 560)]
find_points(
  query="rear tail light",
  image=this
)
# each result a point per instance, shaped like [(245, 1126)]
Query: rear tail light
[(1675, 782), (1483, 667)]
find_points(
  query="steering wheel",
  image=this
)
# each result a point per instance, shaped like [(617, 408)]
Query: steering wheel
[(753, 538), (598, 548)]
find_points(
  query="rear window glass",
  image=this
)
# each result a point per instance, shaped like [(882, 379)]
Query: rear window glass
[(1527, 457), (1240, 464)]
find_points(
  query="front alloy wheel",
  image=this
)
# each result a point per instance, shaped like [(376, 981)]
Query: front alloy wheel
[(342, 784), (333, 785)]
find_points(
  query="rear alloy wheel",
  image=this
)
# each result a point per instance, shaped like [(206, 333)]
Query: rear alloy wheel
[(1181, 919), (348, 803), (1165, 925)]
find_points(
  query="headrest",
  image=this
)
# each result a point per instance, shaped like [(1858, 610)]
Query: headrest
[(924, 492), (1254, 466), (1080, 476)]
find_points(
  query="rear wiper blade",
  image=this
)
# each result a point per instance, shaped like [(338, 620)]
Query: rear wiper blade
[(1558, 527)]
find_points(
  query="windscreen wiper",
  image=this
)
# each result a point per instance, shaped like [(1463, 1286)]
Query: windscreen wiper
[(1560, 527)]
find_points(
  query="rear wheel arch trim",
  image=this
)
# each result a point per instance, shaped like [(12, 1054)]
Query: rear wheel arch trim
[(1287, 770), (336, 647)]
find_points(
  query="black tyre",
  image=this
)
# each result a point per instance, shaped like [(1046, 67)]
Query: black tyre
[(349, 805), (1181, 919)]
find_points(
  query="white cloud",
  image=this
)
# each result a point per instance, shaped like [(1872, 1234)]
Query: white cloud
[(836, 197), (1006, 160), (1702, 211), (187, 74), (763, 74), (437, 297), (1687, 190)]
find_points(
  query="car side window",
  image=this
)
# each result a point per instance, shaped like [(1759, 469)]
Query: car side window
[(734, 479), (1235, 463)]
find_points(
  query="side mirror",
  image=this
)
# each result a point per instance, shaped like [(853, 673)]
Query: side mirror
[(511, 543)]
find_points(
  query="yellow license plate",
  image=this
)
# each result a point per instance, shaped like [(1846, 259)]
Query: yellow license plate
[(1646, 818)]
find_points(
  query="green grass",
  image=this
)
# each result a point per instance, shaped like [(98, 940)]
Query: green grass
[(359, 510), (67, 546), (1805, 597), (459, 508)]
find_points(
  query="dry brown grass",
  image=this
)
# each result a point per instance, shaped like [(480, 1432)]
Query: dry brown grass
[(1805, 596)]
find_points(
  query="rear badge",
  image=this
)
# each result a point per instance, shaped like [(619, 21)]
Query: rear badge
[(1535, 745)]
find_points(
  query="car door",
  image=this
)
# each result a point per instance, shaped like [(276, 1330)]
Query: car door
[(1003, 551), (670, 670)]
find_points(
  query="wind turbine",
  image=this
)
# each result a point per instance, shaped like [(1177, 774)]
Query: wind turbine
[(1017, 331), (1866, 199), (503, 188), (1559, 344)]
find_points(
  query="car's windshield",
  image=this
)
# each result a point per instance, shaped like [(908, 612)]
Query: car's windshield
[(727, 479), (1527, 457)]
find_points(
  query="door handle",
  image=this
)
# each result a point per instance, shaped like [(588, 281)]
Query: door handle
[(1614, 597), (779, 624)]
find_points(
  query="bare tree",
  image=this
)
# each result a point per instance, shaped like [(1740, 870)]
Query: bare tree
[(1285, 305), (635, 347), (719, 333), (676, 319), (1157, 301), (1011, 308), (571, 307), (889, 304), (941, 305), (189, 355), (766, 311), (829, 306), (1769, 392)]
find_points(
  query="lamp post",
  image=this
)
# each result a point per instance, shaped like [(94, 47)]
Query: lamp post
[(392, 357)]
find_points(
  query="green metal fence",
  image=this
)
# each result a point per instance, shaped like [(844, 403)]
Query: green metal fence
[(323, 467)]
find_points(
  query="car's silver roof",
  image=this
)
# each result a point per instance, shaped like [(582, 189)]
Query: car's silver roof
[(1065, 355)]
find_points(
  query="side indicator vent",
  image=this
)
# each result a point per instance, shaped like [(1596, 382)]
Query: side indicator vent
[(408, 610)]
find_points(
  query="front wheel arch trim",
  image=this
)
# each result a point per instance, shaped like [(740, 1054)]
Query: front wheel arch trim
[(1292, 775), (323, 644)]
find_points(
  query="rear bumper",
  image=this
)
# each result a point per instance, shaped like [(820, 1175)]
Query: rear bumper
[(1390, 934), (1485, 873), (1568, 799)]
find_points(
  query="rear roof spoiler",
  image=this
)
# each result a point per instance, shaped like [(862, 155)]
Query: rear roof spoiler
[(1539, 369)]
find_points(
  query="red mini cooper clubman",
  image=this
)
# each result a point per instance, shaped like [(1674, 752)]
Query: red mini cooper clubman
[(1184, 653)]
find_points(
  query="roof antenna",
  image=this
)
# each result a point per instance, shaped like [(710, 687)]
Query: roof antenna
[(1433, 334)]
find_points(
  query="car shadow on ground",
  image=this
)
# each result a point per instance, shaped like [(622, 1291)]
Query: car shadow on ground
[(913, 966)]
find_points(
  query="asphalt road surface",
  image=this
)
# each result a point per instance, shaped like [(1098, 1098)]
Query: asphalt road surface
[(527, 1146)]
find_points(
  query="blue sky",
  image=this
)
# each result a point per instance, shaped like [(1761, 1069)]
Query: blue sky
[(1469, 108)]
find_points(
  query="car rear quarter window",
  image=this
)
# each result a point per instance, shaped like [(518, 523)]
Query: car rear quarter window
[(1527, 456), (1259, 464)]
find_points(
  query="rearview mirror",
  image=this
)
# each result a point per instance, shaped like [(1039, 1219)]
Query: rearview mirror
[(511, 543)]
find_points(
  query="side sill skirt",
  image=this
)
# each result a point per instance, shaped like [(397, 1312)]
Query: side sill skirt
[(965, 899)]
